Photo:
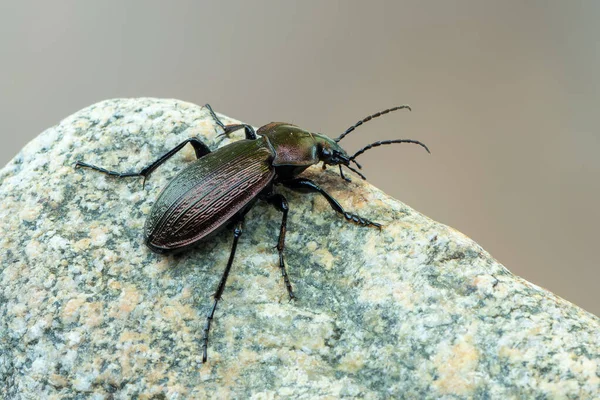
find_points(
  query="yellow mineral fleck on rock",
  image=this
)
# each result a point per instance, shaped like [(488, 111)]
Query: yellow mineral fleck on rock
[(176, 311), (351, 362), (98, 235), (18, 309), (511, 353), (404, 294), (34, 248), (397, 229), (132, 336), (71, 310), (157, 372), (129, 299), (187, 293), (92, 314), (188, 154), (380, 289), (132, 357), (456, 367), (247, 357), (57, 380), (82, 244), (36, 298), (158, 267), (324, 258), (114, 285), (30, 213), (558, 389), (588, 368)]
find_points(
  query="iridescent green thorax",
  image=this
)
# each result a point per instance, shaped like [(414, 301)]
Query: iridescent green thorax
[(295, 146)]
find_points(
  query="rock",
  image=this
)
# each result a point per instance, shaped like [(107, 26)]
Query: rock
[(417, 310)]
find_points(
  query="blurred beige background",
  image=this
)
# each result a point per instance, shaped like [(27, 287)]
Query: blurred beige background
[(505, 93)]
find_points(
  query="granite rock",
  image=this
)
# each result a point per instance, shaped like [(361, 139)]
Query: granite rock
[(416, 310)]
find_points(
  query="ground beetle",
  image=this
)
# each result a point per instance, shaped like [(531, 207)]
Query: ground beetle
[(220, 187)]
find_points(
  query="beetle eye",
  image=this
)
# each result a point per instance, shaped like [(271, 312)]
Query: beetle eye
[(325, 152)]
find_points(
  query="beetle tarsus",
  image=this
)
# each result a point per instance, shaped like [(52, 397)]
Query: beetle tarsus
[(79, 164), (237, 232), (360, 220), (306, 185), (209, 316)]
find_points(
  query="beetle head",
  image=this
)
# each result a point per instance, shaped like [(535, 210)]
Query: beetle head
[(329, 152)]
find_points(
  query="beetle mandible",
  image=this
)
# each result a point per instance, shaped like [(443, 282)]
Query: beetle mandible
[(221, 186)]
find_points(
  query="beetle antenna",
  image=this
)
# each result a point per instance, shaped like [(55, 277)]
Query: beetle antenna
[(384, 142), (370, 117), (356, 172)]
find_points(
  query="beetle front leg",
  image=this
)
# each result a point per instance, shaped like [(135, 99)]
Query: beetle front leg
[(344, 177), (200, 149), (237, 232), (227, 129), (306, 185), (280, 203)]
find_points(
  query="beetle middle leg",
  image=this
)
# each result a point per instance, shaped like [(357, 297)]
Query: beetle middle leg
[(227, 129), (306, 185), (199, 147), (280, 203), (237, 232)]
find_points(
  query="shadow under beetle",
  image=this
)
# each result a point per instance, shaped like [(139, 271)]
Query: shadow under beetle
[(220, 187)]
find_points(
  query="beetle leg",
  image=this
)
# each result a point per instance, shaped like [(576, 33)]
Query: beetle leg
[(200, 148), (280, 203), (344, 177), (306, 185), (227, 129), (237, 232)]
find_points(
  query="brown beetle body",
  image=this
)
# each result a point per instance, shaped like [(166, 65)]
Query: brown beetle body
[(220, 187), (208, 193)]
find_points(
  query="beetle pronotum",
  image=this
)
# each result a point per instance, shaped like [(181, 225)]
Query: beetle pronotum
[(220, 187)]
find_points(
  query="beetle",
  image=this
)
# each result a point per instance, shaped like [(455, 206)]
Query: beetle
[(221, 186)]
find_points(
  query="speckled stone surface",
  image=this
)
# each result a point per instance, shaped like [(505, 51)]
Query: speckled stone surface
[(417, 310)]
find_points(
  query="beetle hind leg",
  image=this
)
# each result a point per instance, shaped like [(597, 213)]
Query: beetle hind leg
[(280, 203), (199, 147), (237, 232)]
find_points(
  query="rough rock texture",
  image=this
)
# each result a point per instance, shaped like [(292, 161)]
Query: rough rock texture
[(417, 310)]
